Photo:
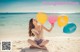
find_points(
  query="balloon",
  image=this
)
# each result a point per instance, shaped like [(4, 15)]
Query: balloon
[(62, 20), (52, 19), (69, 28), (41, 17)]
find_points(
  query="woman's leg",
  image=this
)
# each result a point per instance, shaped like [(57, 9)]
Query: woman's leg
[(44, 43), (33, 43)]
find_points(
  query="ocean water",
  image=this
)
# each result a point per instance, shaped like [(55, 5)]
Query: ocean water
[(15, 25)]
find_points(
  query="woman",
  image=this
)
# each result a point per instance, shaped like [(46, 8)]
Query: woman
[(36, 31)]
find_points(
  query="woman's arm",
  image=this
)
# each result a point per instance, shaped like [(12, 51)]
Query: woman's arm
[(34, 32), (48, 29)]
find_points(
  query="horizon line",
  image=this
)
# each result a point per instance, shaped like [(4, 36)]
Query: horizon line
[(37, 12)]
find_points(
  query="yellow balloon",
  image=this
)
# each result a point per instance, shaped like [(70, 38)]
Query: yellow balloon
[(41, 17), (62, 20)]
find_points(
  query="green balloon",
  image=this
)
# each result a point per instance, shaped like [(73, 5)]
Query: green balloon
[(69, 28)]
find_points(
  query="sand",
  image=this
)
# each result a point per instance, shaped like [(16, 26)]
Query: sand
[(56, 44)]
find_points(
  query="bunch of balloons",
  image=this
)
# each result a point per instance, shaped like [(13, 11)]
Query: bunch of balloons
[(62, 21)]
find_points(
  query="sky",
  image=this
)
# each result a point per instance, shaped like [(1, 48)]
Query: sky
[(40, 6)]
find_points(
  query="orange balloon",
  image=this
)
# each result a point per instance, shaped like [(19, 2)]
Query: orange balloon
[(41, 17), (62, 20)]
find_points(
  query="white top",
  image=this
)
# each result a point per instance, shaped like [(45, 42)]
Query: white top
[(38, 34)]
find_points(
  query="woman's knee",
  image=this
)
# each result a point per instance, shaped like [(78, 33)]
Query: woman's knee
[(47, 41)]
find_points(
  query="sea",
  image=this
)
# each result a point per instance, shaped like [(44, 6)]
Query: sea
[(15, 25)]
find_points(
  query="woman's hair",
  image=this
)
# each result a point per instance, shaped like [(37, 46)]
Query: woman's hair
[(31, 26)]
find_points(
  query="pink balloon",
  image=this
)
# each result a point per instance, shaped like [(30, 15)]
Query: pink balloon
[(52, 19)]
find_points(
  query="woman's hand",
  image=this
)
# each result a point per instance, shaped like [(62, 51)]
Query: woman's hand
[(52, 25)]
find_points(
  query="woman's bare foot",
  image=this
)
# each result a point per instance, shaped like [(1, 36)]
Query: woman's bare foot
[(41, 47), (32, 47), (44, 48)]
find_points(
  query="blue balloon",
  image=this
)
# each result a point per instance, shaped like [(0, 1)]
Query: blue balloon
[(69, 28)]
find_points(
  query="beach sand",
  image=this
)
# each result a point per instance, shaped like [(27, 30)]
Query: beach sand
[(56, 44)]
